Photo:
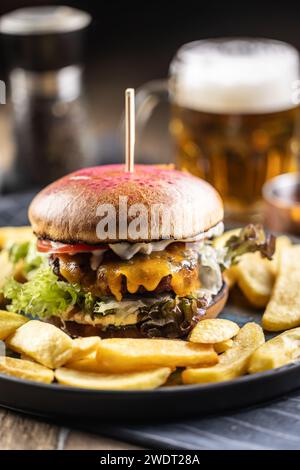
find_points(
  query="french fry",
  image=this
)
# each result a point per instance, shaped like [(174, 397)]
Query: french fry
[(282, 242), (129, 381), (255, 279), (223, 346), (255, 275), (82, 347), (7, 267), (43, 342), (213, 330), (89, 363), (9, 322), (276, 352), (126, 354), (25, 370), (283, 310), (233, 362), (10, 235)]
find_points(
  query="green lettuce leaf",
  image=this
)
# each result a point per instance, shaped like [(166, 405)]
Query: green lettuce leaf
[(18, 251), (27, 251), (250, 239), (44, 295)]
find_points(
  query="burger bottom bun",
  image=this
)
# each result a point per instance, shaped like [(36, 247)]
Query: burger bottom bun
[(132, 331)]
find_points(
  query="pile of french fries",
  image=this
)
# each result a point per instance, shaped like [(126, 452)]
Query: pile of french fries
[(216, 349)]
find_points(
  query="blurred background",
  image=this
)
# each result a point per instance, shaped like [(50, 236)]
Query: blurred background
[(128, 44)]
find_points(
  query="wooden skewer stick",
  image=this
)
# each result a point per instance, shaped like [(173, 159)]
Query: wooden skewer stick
[(129, 129)]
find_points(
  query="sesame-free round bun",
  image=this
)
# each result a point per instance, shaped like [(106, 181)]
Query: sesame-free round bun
[(68, 209)]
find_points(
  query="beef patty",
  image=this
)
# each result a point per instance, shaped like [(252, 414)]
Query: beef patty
[(174, 269)]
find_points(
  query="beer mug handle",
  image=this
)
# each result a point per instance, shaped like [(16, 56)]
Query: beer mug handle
[(148, 96)]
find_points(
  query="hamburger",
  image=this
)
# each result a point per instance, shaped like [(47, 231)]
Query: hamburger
[(104, 262)]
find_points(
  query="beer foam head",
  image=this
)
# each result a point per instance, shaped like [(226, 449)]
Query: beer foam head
[(236, 76)]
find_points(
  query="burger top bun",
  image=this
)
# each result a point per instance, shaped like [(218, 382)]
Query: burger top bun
[(70, 209)]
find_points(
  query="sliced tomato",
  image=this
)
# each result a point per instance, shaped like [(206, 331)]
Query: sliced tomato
[(47, 246)]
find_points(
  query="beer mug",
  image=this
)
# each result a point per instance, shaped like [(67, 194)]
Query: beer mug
[(234, 115)]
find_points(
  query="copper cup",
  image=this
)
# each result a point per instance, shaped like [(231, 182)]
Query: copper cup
[(282, 203)]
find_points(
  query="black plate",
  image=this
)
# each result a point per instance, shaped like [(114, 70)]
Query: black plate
[(57, 401)]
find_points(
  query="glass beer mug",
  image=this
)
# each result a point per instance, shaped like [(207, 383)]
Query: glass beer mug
[(234, 115)]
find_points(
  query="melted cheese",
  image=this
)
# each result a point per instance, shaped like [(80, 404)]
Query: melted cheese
[(178, 260)]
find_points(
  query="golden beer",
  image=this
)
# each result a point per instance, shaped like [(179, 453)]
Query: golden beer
[(235, 117), (236, 153)]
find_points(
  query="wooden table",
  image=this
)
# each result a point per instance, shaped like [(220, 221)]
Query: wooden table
[(19, 432)]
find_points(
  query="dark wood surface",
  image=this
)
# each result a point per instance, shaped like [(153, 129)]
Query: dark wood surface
[(19, 432), (270, 426)]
